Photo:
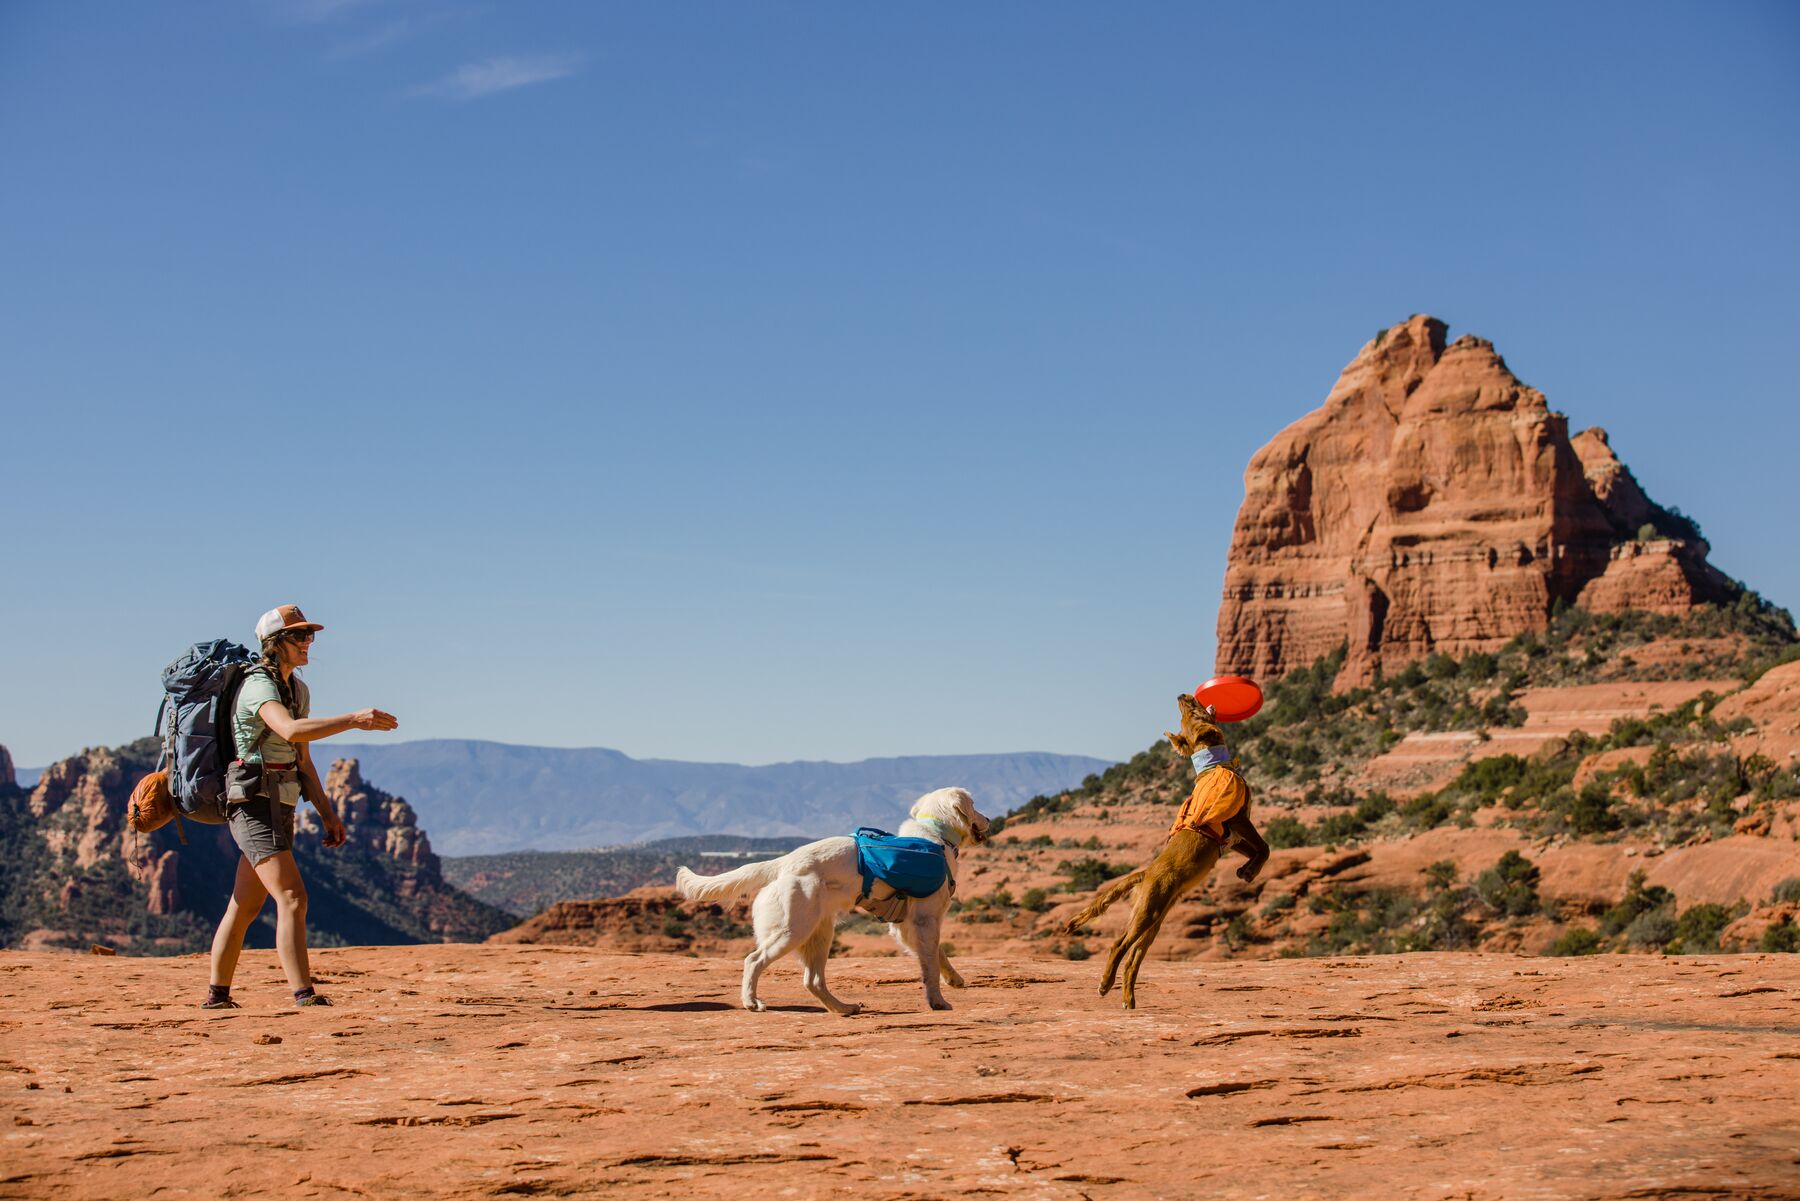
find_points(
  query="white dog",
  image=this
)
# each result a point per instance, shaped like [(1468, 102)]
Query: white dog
[(800, 896)]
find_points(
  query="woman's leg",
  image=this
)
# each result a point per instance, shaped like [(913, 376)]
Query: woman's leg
[(281, 876), (247, 897)]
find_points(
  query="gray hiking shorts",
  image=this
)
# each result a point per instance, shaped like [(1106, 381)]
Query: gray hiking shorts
[(262, 828)]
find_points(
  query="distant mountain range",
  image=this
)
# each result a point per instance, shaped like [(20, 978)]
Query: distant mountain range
[(483, 798)]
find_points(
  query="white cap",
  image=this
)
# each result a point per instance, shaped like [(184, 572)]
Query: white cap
[(283, 617)]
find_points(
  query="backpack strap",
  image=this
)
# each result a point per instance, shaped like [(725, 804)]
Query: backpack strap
[(254, 669), (165, 737), (165, 758)]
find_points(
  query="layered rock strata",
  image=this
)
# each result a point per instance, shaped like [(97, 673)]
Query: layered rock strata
[(383, 824), (1435, 502), (384, 886)]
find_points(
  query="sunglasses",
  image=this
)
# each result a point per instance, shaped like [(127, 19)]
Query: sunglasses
[(301, 635)]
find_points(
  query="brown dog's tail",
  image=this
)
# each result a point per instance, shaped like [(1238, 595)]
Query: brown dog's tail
[(1105, 899)]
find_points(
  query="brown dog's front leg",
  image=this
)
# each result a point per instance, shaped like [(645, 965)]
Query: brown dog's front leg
[(1241, 833), (1180, 744)]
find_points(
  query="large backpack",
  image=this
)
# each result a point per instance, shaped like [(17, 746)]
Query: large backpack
[(195, 725)]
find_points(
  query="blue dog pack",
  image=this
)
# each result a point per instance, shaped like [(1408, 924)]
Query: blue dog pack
[(912, 867)]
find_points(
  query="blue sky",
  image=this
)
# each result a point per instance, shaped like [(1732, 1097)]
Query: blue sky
[(766, 381)]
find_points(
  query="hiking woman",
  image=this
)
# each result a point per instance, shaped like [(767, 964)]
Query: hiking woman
[(273, 727)]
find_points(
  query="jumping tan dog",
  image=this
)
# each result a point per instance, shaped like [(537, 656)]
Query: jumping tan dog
[(1216, 816)]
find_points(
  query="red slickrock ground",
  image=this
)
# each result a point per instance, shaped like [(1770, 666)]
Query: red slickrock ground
[(484, 1071)]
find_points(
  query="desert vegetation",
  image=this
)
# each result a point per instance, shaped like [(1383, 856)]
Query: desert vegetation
[(1674, 780)]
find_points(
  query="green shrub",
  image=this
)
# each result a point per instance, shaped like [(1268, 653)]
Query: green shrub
[(1510, 886), (1280, 903), (1782, 937), (1427, 812), (1577, 940), (1592, 812), (1637, 901), (1339, 827), (1488, 778), (1076, 950), (1036, 900), (1287, 831), (1787, 890), (1374, 807), (1085, 875), (1653, 929), (1697, 930), (1440, 876), (1478, 665)]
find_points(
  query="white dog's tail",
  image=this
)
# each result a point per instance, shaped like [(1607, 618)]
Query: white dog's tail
[(743, 882)]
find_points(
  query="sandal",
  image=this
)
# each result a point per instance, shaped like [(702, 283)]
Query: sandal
[(221, 1003)]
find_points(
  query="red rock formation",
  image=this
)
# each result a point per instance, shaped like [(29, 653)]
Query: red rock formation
[(650, 920), (83, 791), (1773, 703), (391, 882), (162, 878), (1434, 502), (384, 824)]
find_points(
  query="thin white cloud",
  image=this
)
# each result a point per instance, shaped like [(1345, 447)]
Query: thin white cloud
[(379, 39), (314, 12), (471, 81)]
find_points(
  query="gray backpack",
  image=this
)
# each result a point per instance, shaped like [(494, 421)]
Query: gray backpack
[(195, 726)]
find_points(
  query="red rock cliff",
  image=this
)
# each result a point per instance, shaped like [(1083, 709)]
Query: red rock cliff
[(1435, 502)]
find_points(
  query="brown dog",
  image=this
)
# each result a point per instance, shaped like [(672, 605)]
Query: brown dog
[(1238, 832), (1215, 817)]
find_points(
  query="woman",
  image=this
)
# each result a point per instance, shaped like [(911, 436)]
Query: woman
[(273, 728)]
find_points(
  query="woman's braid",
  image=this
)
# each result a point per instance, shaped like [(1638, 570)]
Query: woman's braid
[(270, 662)]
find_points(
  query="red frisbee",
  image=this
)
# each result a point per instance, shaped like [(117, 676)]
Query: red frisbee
[(1233, 698)]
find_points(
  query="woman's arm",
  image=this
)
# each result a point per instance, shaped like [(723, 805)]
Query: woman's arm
[(299, 730), (314, 791)]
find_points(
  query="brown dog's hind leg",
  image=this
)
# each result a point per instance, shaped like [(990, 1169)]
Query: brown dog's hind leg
[(1134, 959), (1185, 859), (1241, 834)]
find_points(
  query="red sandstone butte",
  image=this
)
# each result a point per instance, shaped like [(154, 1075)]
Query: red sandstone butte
[(1435, 502)]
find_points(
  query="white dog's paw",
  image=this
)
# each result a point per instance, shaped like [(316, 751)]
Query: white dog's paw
[(940, 1003), (754, 1005), (850, 1009)]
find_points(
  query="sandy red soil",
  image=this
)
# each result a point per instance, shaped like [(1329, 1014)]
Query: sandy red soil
[(490, 1071)]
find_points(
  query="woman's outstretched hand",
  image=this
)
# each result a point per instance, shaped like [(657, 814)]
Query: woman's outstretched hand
[(375, 719)]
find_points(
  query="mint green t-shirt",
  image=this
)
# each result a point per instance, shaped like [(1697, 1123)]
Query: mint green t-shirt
[(258, 690)]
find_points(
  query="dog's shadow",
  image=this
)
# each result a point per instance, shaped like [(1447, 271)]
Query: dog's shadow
[(714, 1006)]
